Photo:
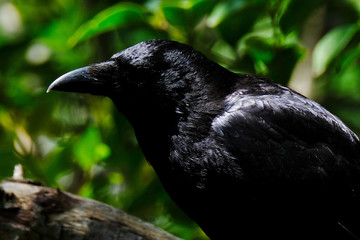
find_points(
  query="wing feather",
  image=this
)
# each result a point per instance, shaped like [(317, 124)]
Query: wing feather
[(287, 136)]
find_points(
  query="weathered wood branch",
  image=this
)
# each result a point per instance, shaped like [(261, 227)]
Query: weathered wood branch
[(31, 211)]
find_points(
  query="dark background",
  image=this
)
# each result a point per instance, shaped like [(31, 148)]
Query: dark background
[(81, 144)]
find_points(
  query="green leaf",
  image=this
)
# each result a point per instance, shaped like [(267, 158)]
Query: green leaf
[(260, 49), (330, 46), (222, 10), (346, 78), (120, 15), (185, 15), (176, 16), (296, 14), (115, 178), (236, 18), (89, 149)]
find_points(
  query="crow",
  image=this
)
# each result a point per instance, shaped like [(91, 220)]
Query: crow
[(244, 157)]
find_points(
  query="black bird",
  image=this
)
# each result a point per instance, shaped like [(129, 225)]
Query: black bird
[(244, 157)]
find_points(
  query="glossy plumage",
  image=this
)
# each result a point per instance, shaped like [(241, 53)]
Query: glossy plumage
[(244, 157)]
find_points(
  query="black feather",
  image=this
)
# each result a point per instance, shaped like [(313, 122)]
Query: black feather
[(244, 157)]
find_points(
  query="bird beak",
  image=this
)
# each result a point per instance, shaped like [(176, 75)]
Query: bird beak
[(79, 80)]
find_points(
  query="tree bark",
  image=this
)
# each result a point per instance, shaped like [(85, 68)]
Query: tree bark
[(31, 211)]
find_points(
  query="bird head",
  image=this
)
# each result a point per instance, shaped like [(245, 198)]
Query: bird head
[(153, 78), (138, 69)]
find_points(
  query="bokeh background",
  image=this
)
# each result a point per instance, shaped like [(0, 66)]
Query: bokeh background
[(81, 144)]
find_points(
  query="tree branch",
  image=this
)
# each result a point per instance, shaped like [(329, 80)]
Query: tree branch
[(31, 211)]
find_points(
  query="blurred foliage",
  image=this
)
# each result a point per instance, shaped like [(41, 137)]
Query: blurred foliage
[(81, 144)]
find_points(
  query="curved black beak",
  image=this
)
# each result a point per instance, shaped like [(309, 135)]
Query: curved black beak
[(79, 80), (95, 79)]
